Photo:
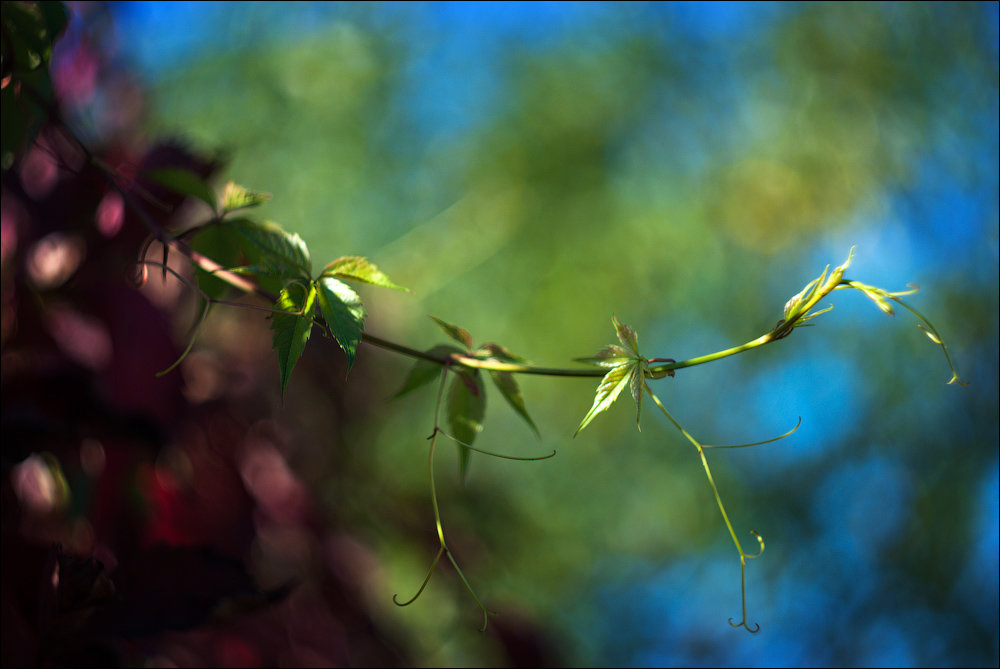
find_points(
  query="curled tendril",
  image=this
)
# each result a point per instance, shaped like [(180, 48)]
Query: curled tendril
[(760, 540), (443, 550), (760, 443), (743, 585), (438, 430), (722, 509), (201, 319), (423, 585)]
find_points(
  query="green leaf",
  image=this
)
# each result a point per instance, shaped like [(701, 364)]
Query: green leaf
[(292, 329), (609, 356), (344, 314), (636, 380), (877, 295), (933, 337), (628, 338), (236, 197), (508, 386), (466, 409), (607, 392), (356, 268), (461, 335), (184, 182), (284, 253), (425, 371)]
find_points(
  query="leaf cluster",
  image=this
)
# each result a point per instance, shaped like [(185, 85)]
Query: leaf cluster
[(466, 406), (280, 264)]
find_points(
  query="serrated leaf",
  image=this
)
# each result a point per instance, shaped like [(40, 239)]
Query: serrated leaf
[(285, 253), (221, 245), (461, 335), (292, 329), (236, 197), (607, 392), (628, 337), (635, 383), (425, 371), (184, 182), (356, 268), (466, 409), (344, 314), (609, 356), (508, 386)]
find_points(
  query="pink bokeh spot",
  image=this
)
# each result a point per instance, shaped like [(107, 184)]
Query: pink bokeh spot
[(110, 214)]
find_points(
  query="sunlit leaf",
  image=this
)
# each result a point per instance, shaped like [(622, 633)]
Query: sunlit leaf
[(183, 182), (461, 335), (607, 392), (356, 268), (930, 335), (609, 356), (425, 371), (236, 197), (636, 381), (344, 314), (466, 408), (627, 337), (291, 330)]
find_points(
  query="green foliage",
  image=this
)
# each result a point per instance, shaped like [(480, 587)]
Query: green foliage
[(271, 254), (344, 314), (292, 325), (628, 369), (466, 410), (28, 34)]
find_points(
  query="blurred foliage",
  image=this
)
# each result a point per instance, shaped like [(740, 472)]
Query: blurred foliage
[(686, 169)]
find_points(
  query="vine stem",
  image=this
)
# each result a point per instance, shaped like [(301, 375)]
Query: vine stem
[(249, 286), (655, 370)]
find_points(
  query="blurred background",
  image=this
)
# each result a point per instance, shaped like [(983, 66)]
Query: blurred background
[(528, 170)]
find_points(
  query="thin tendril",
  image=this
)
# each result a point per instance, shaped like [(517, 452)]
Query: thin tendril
[(936, 339), (423, 585), (493, 454), (722, 509), (437, 514), (760, 443), (201, 320)]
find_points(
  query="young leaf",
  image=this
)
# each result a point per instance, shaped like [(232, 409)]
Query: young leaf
[(609, 356), (628, 338), (425, 371), (344, 314), (636, 381), (611, 386), (184, 182), (292, 329), (236, 197), (461, 335), (356, 268), (508, 386), (466, 409)]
